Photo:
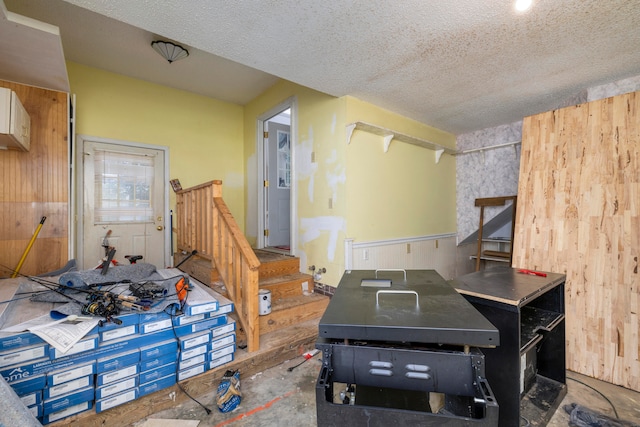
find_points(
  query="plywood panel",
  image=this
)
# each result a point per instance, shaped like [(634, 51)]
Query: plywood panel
[(578, 214), (36, 184)]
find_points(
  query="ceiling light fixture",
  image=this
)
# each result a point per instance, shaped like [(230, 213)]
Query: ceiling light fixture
[(522, 5), (169, 51)]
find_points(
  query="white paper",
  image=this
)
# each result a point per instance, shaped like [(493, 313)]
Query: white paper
[(61, 334)]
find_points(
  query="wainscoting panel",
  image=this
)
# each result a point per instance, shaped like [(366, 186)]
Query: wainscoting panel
[(427, 252)]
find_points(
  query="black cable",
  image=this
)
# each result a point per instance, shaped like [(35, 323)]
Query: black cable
[(599, 392), (173, 328)]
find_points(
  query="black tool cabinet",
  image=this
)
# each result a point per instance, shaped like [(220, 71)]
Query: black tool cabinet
[(527, 372), (392, 338)]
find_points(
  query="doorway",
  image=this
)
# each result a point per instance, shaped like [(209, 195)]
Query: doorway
[(276, 172), (122, 202)]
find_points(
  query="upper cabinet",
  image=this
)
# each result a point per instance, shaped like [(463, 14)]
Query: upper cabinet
[(15, 124)]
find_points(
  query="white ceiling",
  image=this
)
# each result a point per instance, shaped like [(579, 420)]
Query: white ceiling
[(458, 65)]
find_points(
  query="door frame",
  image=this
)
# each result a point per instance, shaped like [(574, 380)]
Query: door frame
[(79, 178), (292, 104)]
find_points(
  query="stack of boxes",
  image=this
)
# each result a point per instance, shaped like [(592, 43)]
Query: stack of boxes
[(115, 364)]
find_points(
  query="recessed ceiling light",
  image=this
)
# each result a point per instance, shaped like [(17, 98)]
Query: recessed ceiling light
[(522, 5)]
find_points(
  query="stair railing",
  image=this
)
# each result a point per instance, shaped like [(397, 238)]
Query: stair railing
[(204, 223)]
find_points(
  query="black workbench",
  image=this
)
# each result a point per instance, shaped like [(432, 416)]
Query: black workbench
[(527, 372)]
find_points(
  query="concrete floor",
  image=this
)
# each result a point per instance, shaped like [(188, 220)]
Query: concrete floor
[(277, 397)]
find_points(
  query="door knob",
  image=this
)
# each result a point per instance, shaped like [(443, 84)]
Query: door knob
[(159, 228)]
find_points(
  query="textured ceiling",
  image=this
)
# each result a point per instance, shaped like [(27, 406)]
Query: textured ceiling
[(458, 65)]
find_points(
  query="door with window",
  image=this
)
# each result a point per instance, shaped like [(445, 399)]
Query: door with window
[(123, 203)]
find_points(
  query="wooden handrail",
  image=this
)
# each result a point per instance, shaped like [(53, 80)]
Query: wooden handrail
[(205, 224)]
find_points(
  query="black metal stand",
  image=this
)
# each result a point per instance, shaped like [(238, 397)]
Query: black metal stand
[(527, 372)]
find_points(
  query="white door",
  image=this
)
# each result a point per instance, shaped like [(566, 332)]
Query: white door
[(123, 203), (277, 203)]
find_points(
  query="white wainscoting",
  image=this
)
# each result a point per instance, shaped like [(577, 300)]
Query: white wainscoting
[(436, 252)]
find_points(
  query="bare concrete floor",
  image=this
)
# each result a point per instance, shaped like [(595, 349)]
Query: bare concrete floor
[(277, 397)]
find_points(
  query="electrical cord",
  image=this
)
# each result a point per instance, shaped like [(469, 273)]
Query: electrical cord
[(600, 393), (173, 328)]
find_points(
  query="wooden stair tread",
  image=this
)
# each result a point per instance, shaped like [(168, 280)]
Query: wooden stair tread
[(285, 303), (289, 311), (499, 254)]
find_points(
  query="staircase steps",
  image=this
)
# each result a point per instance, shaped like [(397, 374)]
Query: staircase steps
[(292, 298), (293, 310)]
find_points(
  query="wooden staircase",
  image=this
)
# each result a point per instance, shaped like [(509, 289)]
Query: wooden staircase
[(292, 298), (225, 262)]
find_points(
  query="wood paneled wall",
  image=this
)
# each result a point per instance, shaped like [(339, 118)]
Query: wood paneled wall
[(36, 184), (579, 214)]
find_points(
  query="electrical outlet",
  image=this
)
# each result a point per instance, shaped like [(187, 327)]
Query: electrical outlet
[(408, 248), (365, 254), (436, 243)]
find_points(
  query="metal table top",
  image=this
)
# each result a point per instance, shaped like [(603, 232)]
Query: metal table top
[(418, 306), (506, 285)]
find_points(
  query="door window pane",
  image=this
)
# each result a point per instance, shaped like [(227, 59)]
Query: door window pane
[(123, 187)]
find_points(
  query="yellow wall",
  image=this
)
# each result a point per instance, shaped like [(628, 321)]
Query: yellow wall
[(320, 229), (401, 193), (373, 195), (204, 135)]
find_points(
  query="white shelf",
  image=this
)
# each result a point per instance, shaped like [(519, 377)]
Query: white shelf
[(388, 135)]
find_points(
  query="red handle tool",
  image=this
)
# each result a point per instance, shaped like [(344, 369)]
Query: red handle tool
[(533, 273)]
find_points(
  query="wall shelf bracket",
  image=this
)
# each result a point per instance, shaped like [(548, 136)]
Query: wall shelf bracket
[(389, 135)]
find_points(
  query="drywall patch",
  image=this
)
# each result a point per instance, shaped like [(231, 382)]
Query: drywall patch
[(336, 177), (312, 228), (304, 167)]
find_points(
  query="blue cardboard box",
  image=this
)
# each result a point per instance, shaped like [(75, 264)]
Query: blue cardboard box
[(164, 359), (72, 373), (36, 410), (228, 327), (23, 354), (112, 389), (157, 373), (127, 319), (155, 326), (119, 332), (29, 384), (216, 354), (183, 319), (118, 399), (153, 351), (221, 361), (222, 342), (32, 398), (193, 352), (116, 375), (88, 343), (68, 387), (9, 341), (70, 399), (71, 410), (192, 371), (192, 361), (117, 361), (194, 340), (161, 383), (192, 328)]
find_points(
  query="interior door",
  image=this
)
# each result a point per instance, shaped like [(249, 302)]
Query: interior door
[(123, 203), (278, 201)]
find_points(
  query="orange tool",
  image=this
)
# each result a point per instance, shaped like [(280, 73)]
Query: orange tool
[(181, 289)]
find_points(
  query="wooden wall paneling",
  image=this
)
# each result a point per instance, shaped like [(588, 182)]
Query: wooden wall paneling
[(578, 214), (36, 184)]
